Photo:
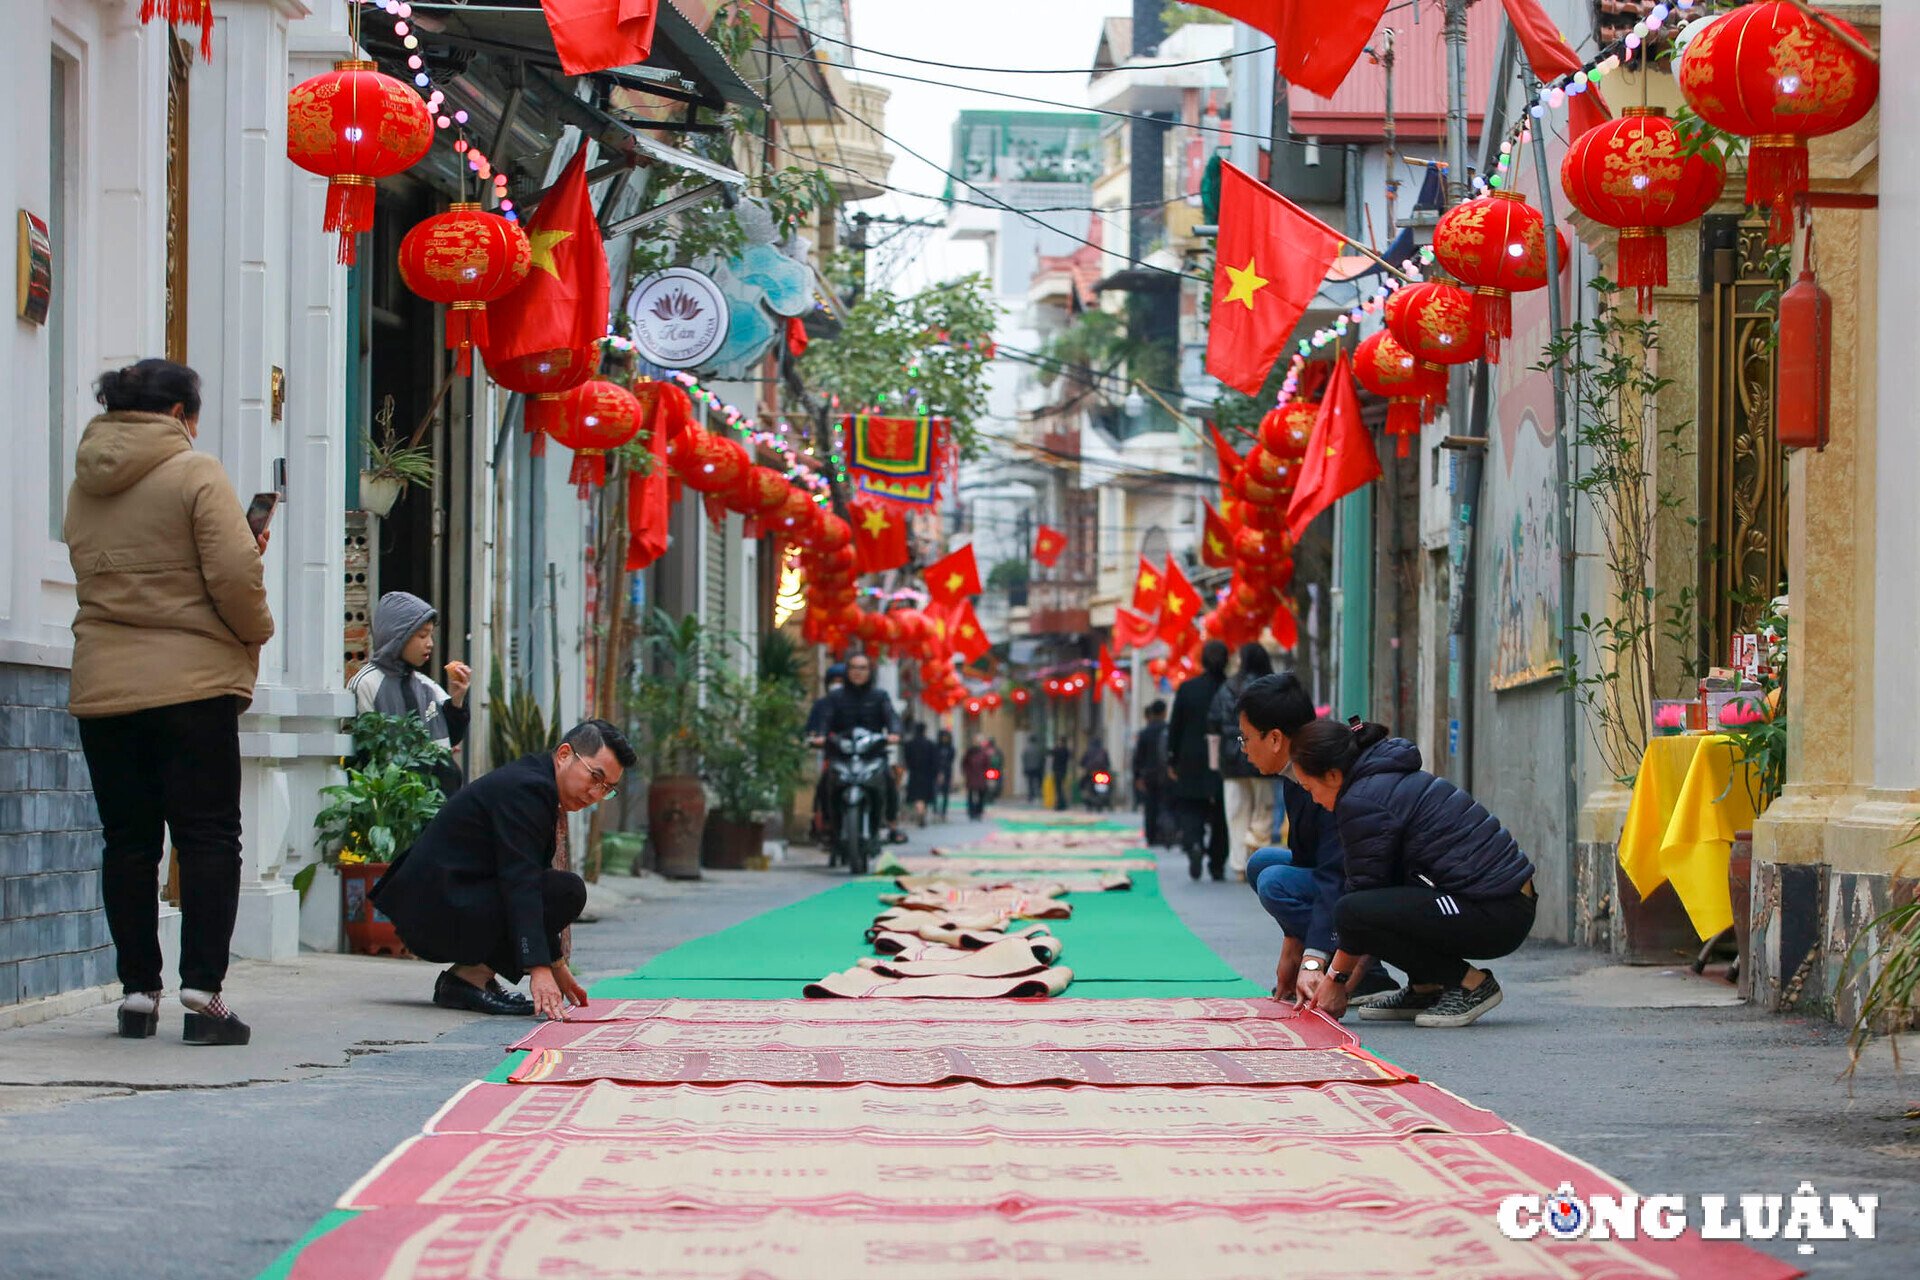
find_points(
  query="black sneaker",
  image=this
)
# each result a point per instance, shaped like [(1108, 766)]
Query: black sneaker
[(1374, 986), (1402, 1005), (1458, 1006)]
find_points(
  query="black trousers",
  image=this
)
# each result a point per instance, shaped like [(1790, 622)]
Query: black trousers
[(1059, 790), (169, 770), (1203, 827), (976, 803), (1432, 935), (483, 936), (1151, 804), (1036, 783)]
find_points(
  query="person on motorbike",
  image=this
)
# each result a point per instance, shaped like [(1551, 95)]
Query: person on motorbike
[(857, 704), (1094, 760)]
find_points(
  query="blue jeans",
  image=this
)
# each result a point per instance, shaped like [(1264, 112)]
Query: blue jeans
[(1286, 891)]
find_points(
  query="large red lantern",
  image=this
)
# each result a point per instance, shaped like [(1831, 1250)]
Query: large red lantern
[(1270, 470), (354, 126), (1021, 697), (545, 377), (1638, 174), (465, 258), (1285, 431), (794, 516), (1257, 546), (834, 533), (708, 462), (1773, 73), (1804, 369), (1268, 517), (1434, 321), (594, 417), (1497, 244), (760, 492), (1411, 389)]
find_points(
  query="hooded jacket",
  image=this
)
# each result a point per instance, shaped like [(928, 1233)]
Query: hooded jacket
[(1401, 825), (388, 685), (173, 600)]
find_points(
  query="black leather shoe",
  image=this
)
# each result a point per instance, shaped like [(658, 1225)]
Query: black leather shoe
[(204, 1028), (512, 997), (450, 992), (1193, 865)]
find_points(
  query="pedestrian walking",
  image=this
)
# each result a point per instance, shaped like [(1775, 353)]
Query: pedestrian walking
[(974, 767), (1432, 880), (1061, 757), (166, 650), (1247, 798), (1033, 764), (923, 768), (1197, 800), (394, 681), (1150, 773), (944, 768), (480, 889)]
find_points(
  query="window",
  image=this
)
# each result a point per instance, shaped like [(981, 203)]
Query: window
[(62, 166)]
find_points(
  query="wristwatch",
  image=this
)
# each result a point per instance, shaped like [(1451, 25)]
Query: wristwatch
[(1312, 964), (1338, 977)]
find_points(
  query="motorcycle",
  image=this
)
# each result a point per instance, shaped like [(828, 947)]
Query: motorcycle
[(1100, 790), (856, 773)]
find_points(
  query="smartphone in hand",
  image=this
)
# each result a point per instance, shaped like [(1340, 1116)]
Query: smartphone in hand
[(260, 512)]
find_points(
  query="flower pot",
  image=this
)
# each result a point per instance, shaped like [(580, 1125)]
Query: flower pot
[(676, 819), (378, 493), (729, 845), (369, 933)]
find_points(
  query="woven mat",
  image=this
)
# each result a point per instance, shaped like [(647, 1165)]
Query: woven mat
[(775, 1113), (948, 1065), (1311, 1032), (859, 983), (1032, 886), (1053, 1011), (1012, 864), (1003, 959), (1011, 902), (1403, 1243), (907, 946)]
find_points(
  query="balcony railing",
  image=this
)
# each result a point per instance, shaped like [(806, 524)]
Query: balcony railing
[(1060, 605)]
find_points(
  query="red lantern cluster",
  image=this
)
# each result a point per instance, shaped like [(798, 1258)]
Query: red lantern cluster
[(1414, 391), (1434, 321), (544, 377), (1775, 74), (1638, 174), (354, 126), (1498, 245), (465, 258), (1261, 550)]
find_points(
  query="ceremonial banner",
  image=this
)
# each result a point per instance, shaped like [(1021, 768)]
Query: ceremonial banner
[(898, 460)]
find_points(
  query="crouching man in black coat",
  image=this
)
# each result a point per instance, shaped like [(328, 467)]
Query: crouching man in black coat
[(480, 888)]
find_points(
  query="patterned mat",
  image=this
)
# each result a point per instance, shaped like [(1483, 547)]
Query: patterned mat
[(1061, 1010), (862, 983)]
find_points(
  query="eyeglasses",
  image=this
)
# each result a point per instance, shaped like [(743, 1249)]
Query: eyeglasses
[(608, 790)]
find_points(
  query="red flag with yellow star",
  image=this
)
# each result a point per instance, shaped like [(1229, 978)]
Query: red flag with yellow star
[(1340, 456), (563, 300), (1272, 256), (594, 35), (1216, 541), (1131, 630), (1182, 609), (1315, 42), (1230, 459), (954, 577), (1048, 543), (969, 637), (879, 537), (1149, 588)]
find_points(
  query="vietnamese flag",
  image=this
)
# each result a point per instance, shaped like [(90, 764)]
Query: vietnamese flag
[(969, 637), (879, 537), (1216, 541), (1271, 258), (1130, 630), (1340, 456), (1182, 609), (1048, 543), (954, 577), (1230, 460), (563, 300), (1316, 42), (1149, 590), (648, 507), (1286, 629), (595, 35), (1548, 52)]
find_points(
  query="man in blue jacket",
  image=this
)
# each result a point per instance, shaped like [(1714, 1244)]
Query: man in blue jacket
[(1299, 883)]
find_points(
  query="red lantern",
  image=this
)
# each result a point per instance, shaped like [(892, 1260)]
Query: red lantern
[(1772, 73), (1803, 373), (594, 417), (1257, 546), (835, 533), (1434, 322), (1268, 517), (974, 706), (545, 377), (465, 258), (794, 515), (1021, 697), (1497, 244), (1284, 432), (1411, 389), (759, 494), (1270, 469), (1635, 173), (354, 126), (708, 462)]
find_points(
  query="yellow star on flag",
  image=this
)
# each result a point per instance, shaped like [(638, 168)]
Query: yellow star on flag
[(1176, 606), (1246, 283), (1215, 545), (955, 581), (875, 521), (967, 631), (1148, 582), (1331, 451), (544, 243)]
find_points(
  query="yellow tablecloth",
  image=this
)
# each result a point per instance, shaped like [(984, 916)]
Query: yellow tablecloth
[(1682, 822)]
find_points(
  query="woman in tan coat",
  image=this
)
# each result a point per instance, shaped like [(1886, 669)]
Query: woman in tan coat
[(173, 611)]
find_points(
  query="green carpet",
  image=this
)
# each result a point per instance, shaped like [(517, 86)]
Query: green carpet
[(282, 1266), (1041, 824), (804, 940)]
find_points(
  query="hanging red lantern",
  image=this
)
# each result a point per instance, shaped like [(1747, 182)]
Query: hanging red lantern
[(794, 515), (1434, 321), (993, 701), (759, 494), (594, 417), (1638, 174), (835, 533), (184, 13), (708, 462), (1021, 697), (544, 377), (1269, 469), (1257, 546), (1803, 372), (1411, 389), (1269, 517), (354, 126), (464, 259), (1498, 245), (1774, 74), (1284, 432), (975, 706)]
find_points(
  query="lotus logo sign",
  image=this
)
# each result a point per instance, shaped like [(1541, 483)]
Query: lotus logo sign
[(679, 318)]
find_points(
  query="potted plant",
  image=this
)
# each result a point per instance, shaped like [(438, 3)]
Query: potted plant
[(370, 819), (665, 703), (392, 466), (752, 756)]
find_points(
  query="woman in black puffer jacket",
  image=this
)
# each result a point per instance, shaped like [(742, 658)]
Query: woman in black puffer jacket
[(1432, 877)]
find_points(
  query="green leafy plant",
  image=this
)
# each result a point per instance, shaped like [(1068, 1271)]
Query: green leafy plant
[(1887, 947), (404, 740), (1009, 575), (411, 462), (664, 697), (1762, 743), (375, 815), (515, 725), (752, 748)]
